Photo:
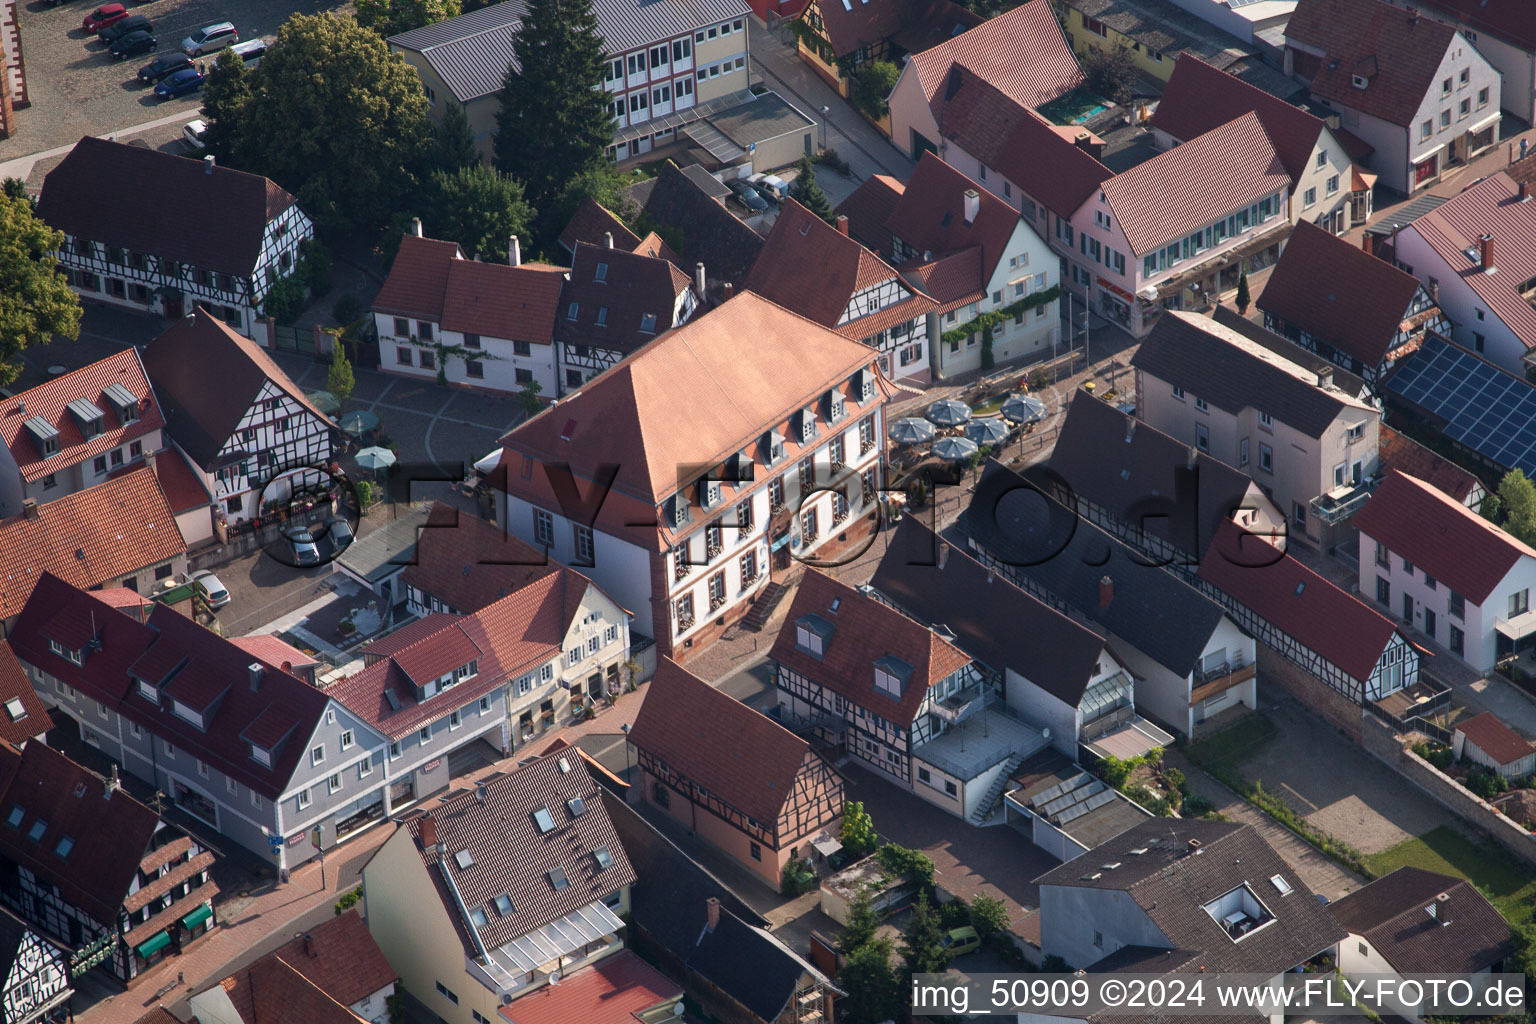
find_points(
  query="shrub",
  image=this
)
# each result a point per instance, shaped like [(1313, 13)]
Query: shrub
[(1115, 771), (1197, 806), (954, 914), (1038, 381), (837, 163), (1176, 780), (315, 267), (989, 916), (347, 309), (1486, 783), (285, 299), (349, 900), (798, 878), (1437, 754), (913, 865), (858, 834)]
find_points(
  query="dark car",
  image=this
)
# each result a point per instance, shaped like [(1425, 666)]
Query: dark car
[(748, 196), (165, 64), (132, 44), (118, 29), (182, 82)]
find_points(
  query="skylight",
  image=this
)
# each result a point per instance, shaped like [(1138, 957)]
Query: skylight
[(576, 806), (503, 904), (14, 708), (603, 857), (38, 828), (477, 918), (1279, 882), (14, 818), (464, 859), (558, 880), (544, 819), (66, 843)]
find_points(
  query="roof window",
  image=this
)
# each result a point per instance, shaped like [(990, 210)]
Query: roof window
[(558, 879), (544, 820), (503, 905), (15, 709), (39, 826), (477, 918), (576, 806), (464, 859), (14, 818), (66, 844), (603, 857)]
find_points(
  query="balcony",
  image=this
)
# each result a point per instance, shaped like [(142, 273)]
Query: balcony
[(1218, 679), (1340, 503), (962, 704)]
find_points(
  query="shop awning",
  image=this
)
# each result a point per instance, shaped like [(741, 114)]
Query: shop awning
[(152, 946), (197, 916)]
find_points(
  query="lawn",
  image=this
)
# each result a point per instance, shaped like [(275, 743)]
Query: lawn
[(1484, 863), (1231, 747)]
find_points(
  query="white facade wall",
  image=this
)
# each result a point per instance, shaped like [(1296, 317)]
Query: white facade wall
[(674, 74), (90, 472), (507, 365), (281, 434), (1473, 325), (912, 120)]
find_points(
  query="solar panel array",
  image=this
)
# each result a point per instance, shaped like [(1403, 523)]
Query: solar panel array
[(1486, 409)]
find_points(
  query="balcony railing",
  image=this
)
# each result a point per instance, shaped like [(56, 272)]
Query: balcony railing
[(1227, 671), (959, 706)]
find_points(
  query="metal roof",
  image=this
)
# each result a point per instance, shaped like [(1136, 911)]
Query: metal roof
[(118, 393), (41, 428), (471, 53), (86, 410), (381, 553)]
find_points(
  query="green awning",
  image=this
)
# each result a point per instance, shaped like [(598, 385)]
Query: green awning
[(197, 916), (154, 945)]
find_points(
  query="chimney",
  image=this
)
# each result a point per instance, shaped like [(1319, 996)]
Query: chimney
[(1413, 16), (29, 508), (21, 406), (1485, 248), (698, 279), (729, 288), (416, 226), (208, 162), (1106, 592), (1368, 242), (842, 222), (1525, 191), (149, 460), (1194, 846), (428, 833), (480, 793), (943, 553), (607, 239), (255, 671), (514, 252), (972, 205), (712, 909), (309, 946), (114, 783), (1324, 376)]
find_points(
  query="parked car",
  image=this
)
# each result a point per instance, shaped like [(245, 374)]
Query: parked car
[(747, 195), (118, 29), (103, 16), (179, 84), (771, 187), (960, 941), (210, 39), (195, 133), (340, 532), (165, 64), (251, 51), (302, 546), (132, 44), (216, 593)]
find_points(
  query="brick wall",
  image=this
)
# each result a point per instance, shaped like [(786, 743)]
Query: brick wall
[(1341, 712)]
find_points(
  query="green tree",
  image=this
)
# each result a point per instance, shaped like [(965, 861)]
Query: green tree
[(391, 17), (1491, 508), (528, 398), (874, 993), (36, 304), (808, 194), (922, 943), (337, 120), (1518, 496), (858, 835), (480, 208), (601, 182), (1243, 298), (987, 359), (227, 95), (861, 926), (554, 120), (1110, 72), (989, 916), (455, 141), (339, 380), (15, 188), (872, 83)]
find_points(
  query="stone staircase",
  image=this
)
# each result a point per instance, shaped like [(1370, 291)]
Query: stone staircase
[(988, 803), (762, 611)]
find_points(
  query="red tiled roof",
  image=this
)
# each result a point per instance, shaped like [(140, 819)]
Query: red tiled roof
[(1490, 735), (1402, 453), (864, 631), (516, 303), (734, 751), (273, 651), (159, 1015), (90, 538), (33, 719), (736, 388), (953, 280), (340, 958), (111, 832), (1509, 20), (852, 26), (124, 599), (1491, 207), (656, 246), (418, 278), (50, 401), (1234, 165), (512, 857), (930, 216), (274, 991), (589, 223), (408, 634), (1398, 54), (1297, 601), (612, 991), (868, 207), (1440, 535), (279, 715), (1339, 292), (184, 489), (1022, 52), (1006, 135), (1200, 97), (809, 265)]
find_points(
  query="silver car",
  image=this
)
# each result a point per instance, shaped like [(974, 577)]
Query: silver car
[(302, 544), (216, 593), (210, 39), (340, 532)]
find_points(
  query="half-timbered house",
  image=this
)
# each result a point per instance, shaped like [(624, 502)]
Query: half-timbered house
[(899, 695), (78, 428), (613, 302), (822, 273), (733, 775), (242, 422), (835, 37), (34, 975), (154, 253), (441, 317), (741, 440), (1345, 304), (94, 868)]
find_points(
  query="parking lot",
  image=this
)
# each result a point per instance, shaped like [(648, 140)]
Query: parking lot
[(78, 89)]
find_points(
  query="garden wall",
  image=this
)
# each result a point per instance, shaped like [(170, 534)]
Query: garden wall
[(1395, 749), (1317, 696)]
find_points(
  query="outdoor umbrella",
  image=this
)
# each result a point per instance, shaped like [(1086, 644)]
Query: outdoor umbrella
[(912, 431), (988, 430), (375, 459), (358, 421), (324, 401), (953, 449), (947, 412), (1024, 409)]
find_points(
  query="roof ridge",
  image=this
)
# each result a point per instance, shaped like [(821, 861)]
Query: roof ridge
[(1492, 530)]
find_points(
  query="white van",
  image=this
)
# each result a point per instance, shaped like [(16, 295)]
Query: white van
[(250, 51)]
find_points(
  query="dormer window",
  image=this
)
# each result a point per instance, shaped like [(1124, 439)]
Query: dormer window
[(773, 447), (88, 416), (836, 408), (45, 435), (464, 672), (709, 493), (261, 755), (123, 402), (65, 652), (805, 425), (891, 675), (864, 385), (186, 713), (812, 633), (648, 323), (677, 510)]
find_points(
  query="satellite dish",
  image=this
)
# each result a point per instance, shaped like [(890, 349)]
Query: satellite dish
[(677, 1009)]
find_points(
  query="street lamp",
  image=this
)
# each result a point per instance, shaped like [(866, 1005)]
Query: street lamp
[(625, 730)]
